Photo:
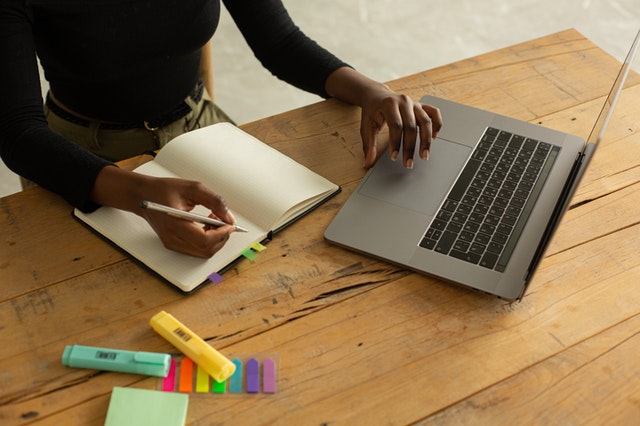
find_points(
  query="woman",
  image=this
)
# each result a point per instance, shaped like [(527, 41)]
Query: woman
[(124, 78)]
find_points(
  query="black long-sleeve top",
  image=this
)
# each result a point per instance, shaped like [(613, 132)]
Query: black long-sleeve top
[(123, 61)]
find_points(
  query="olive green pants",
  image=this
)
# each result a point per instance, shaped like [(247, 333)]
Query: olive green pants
[(116, 145)]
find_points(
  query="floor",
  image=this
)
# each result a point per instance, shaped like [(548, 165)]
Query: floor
[(387, 39)]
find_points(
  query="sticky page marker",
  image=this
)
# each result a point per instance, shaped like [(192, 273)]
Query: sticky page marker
[(202, 380), (249, 254), (169, 382), (219, 387), (214, 363), (253, 376), (186, 372), (257, 246), (215, 278), (268, 376), (235, 381)]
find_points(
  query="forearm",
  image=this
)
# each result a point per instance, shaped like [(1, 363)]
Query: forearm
[(352, 87), (119, 188)]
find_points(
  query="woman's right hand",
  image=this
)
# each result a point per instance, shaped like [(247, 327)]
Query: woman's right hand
[(182, 235), (122, 189)]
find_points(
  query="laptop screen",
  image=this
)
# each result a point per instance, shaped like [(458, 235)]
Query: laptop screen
[(605, 114)]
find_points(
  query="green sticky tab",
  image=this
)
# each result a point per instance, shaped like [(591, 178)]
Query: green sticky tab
[(249, 254), (129, 407), (219, 387)]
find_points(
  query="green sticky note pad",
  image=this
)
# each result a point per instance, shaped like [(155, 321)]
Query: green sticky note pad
[(139, 407)]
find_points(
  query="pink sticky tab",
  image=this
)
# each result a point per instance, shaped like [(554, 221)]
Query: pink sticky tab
[(215, 278), (169, 382), (268, 376)]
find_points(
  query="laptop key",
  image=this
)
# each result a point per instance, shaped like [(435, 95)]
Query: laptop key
[(428, 243), (489, 260), (477, 249), (445, 242), (468, 257), (461, 246), (450, 205), (439, 224), (494, 247)]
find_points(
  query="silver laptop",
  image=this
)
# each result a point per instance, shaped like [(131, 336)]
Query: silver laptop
[(482, 210)]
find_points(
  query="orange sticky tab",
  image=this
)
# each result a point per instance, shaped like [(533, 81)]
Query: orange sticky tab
[(186, 375)]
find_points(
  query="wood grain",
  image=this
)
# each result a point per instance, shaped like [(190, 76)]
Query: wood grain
[(360, 341)]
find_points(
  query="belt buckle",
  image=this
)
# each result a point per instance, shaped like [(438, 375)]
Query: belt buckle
[(149, 127)]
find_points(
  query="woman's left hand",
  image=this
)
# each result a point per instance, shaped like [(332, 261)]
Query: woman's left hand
[(407, 120)]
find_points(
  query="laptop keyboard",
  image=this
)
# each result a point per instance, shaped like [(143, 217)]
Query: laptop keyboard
[(485, 212)]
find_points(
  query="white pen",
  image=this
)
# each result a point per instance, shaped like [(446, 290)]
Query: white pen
[(187, 215)]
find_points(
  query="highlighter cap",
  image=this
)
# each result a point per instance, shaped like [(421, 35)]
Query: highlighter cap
[(218, 367)]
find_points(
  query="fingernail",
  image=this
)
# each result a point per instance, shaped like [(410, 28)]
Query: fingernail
[(426, 154), (409, 164), (394, 155)]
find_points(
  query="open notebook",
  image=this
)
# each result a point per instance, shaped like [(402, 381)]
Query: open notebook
[(265, 189)]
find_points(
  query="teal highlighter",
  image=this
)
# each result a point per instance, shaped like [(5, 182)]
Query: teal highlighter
[(145, 363)]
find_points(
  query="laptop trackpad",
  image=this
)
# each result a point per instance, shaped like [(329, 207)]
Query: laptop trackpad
[(423, 188)]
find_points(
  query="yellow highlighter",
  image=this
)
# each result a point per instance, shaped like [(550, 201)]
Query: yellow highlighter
[(200, 352)]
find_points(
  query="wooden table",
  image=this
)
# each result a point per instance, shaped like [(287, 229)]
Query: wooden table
[(360, 341)]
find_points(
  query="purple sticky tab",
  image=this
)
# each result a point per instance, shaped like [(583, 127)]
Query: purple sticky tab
[(215, 278), (253, 376), (268, 376)]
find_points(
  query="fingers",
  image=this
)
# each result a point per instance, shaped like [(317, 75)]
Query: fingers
[(426, 132), (201, 194), (193, 239), (183, 235), (402, 131), (369, 138), (430, 125), (369, 129), (436, 119), (407, 121)]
